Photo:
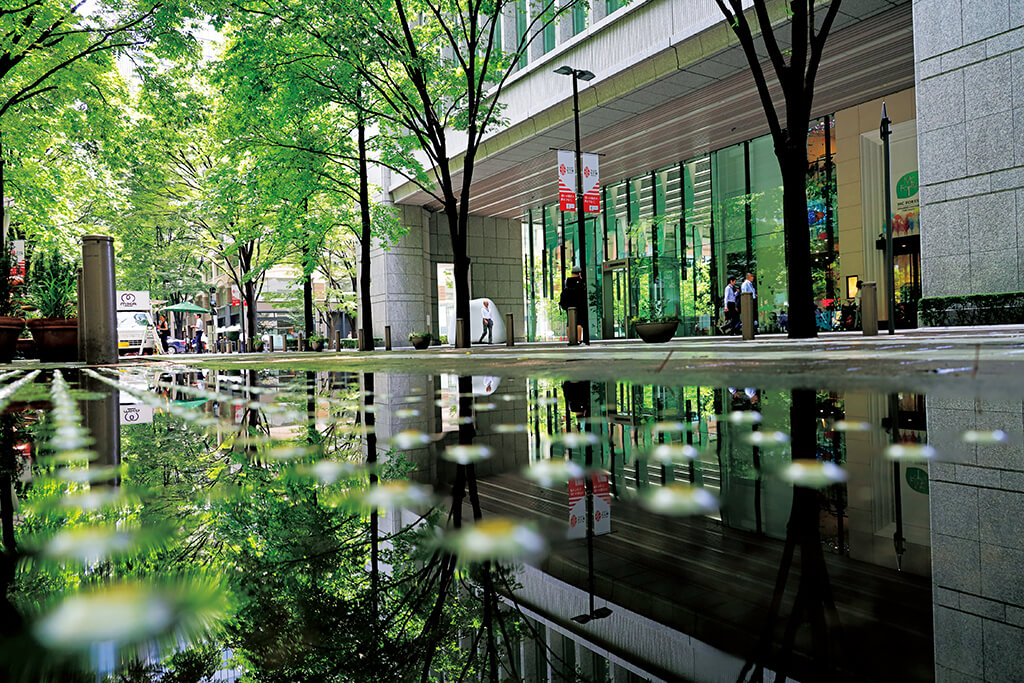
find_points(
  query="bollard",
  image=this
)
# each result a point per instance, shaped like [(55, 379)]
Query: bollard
[(337, 340), (270, 343), (300, 345), (387, 337), (460, 333), (869, 308), (510, 331), (100, 344), (747, 315), (573, 332), (359, 336), (81, 321)]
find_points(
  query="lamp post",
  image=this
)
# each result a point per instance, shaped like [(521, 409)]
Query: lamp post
[(890, 278), (580, 75)]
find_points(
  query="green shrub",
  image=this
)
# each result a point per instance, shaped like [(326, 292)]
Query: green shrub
[(974, 309), (53, 283)]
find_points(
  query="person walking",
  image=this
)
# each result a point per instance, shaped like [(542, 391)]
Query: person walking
[(732, 309), (575, 296), (487, 318), (198, 327)]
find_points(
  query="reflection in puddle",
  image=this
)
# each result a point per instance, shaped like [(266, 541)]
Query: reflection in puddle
[(336, 526)]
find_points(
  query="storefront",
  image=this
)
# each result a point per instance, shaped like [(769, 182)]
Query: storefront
[(667, 240)]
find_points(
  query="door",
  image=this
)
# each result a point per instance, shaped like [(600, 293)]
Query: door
[(616, 300)]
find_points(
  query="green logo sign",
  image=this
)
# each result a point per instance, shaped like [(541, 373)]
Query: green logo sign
[(906, 187), (917, 479)]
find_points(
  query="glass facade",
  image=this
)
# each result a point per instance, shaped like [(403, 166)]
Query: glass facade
[(667, 240)]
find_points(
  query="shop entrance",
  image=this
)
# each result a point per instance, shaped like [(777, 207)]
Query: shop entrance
[(616, 299), (906, 253)]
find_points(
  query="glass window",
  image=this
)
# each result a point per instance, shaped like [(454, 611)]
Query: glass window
[(769, 237), (521, 27), (579, 18), (548, 36), (612, 5)]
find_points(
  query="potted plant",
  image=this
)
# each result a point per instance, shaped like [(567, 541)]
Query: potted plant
[(53, 290), (655, 326), (420, 340), (256, 344), (317, 342), (10, 324)]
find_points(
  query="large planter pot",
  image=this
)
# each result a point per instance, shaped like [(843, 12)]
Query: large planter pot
[(316, 345), (419, 342), (10, 330), (656, 333), (56, 339)]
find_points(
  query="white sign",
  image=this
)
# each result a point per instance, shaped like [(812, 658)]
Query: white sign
[(132, 301), (136, 414)]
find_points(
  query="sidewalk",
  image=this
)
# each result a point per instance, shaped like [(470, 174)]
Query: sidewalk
[(948, 360)]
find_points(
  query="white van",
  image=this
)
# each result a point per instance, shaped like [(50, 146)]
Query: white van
[(136, 333)]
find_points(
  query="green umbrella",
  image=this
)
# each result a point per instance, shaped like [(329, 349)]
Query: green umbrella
[(186, 307)]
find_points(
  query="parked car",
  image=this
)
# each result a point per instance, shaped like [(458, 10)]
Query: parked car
[(176, 345)]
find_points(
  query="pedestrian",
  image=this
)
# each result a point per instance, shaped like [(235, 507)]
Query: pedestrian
[(164, 331), (198, 328), (487, 318), (575, 296), (732, 309)]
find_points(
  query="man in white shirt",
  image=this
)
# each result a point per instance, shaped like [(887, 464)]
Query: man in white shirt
[(198, 327), (748, 287), (488, 321), (732, 310)]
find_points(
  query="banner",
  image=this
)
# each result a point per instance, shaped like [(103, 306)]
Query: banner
[(136, 414), (566, 180), (577, 509), (602, 504), (591, 184), (18, 259)]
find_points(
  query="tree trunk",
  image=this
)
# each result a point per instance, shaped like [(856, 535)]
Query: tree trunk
[(460, 274), (793, 164), (250, 313), (307, 305), (366, 307)]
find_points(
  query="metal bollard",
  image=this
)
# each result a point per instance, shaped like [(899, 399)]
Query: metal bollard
[(337, 340), (510, 331), (460, 333), (300, 345), (574, 337), (270, 344), (747, 315), (869, 308), (387, 337), (360, 344), (100, 345), (81, 320)]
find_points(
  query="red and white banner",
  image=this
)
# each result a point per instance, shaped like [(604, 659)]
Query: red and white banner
[(591, 184), (602, 504), (236, 298), (577, 509), (566, 180), (18, 259)]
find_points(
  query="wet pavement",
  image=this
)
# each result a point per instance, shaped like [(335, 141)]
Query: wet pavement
[(693, 511)]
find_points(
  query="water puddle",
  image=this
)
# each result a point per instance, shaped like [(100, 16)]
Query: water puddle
[(261, 524)]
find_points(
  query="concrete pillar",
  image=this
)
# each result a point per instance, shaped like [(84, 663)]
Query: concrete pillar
[(100, 344), (387, 337), (747, 314), (574, 338), (869, 308), (510, 330)]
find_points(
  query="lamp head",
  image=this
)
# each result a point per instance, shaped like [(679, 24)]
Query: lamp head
[(564, 70), (584, 75)]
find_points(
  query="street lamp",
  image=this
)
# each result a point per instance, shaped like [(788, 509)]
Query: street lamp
[(579, 75), (884, 132)]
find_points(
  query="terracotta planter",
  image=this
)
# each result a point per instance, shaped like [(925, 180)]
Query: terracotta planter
[(316, 346), (56, 339), (656, 333), (27, 347), (420, 342), (10, 330)]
